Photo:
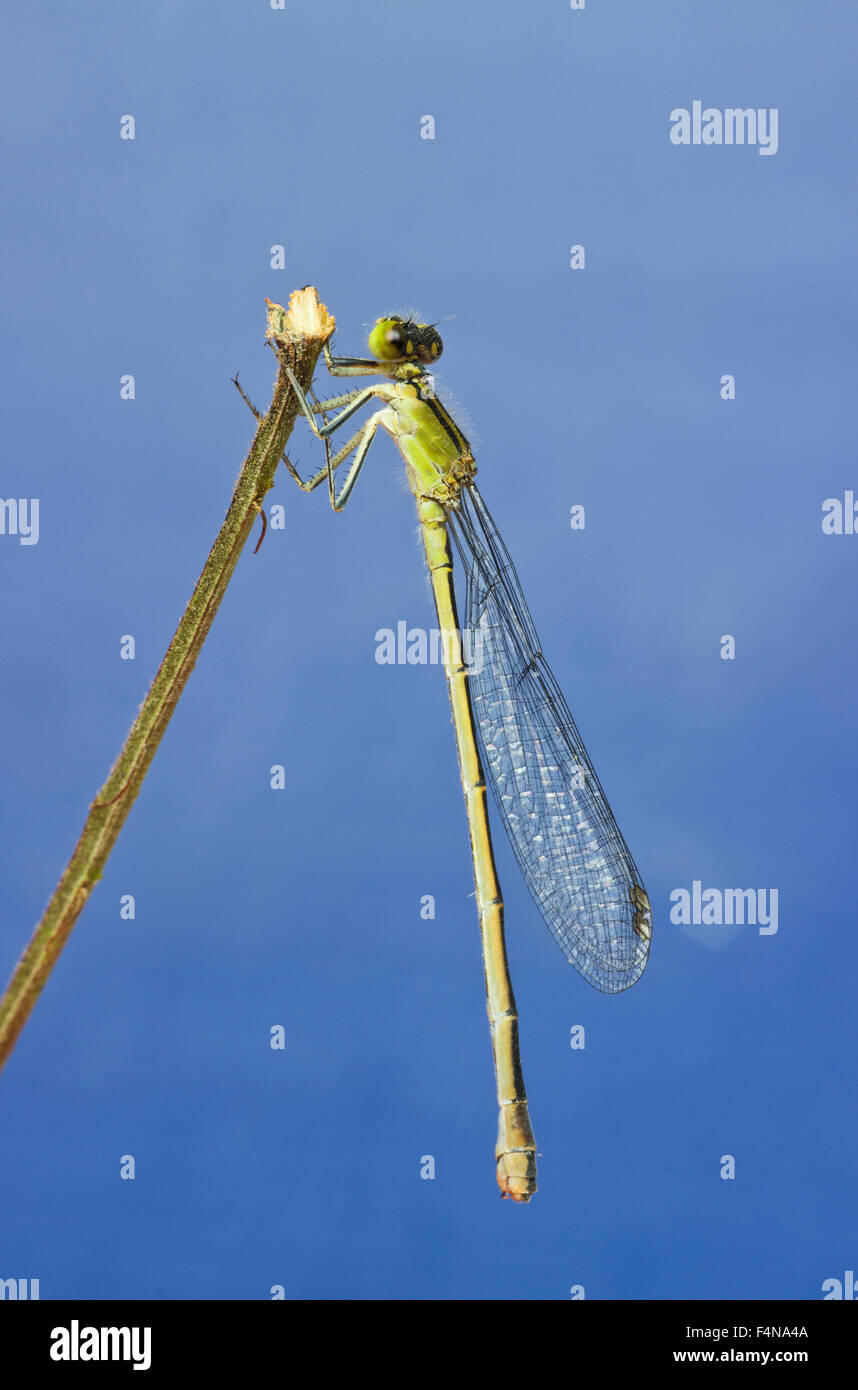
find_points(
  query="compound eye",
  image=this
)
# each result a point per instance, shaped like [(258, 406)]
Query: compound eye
[(389, 340)]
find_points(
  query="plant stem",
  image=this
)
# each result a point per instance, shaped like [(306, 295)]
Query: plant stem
[(297, 336)]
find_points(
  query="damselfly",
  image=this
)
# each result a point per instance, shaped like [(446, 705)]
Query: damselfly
[(510, 717)]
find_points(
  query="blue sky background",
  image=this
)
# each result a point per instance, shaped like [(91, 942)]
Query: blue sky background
[(302, 908)]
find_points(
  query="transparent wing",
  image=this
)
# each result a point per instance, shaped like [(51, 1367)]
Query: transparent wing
[(574, 859)]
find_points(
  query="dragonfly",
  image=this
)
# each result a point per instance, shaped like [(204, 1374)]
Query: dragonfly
[(513, 727)]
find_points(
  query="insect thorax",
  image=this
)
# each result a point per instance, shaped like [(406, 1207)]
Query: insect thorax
[(447, 489)]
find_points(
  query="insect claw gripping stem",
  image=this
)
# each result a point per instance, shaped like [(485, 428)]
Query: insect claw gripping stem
[(261, 511)]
